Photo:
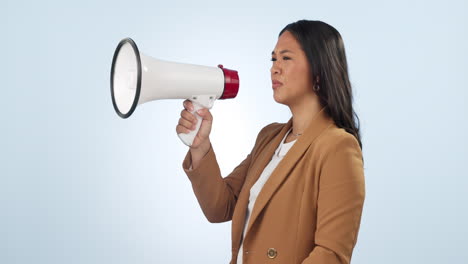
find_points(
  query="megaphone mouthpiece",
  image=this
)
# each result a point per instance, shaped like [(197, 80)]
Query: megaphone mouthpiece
[(231, 83)]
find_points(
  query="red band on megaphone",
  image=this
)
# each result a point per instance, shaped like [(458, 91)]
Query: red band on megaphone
[(231, 83)]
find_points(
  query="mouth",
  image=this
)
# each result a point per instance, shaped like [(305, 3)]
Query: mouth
[(276, 84)]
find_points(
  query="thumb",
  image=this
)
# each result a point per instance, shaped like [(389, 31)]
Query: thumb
[(205, 114)]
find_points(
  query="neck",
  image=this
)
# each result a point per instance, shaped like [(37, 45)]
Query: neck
[(303, 112)]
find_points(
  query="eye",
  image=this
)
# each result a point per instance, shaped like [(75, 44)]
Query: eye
[(286, 58), (273, 59)]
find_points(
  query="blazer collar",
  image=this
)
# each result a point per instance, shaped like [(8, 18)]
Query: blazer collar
[(317, 125)]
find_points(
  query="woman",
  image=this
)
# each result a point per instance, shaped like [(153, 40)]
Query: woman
[(306, 208)]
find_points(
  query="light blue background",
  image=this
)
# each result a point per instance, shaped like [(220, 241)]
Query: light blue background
[(79, 184)]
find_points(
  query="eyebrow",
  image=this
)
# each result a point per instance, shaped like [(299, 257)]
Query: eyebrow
[(281, 52)]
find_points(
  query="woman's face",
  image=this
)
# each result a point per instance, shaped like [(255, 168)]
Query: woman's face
[(290, 72)]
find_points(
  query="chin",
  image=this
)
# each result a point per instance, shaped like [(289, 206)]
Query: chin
[(279, 100)]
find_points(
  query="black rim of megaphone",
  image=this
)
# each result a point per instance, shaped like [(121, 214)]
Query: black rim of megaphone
[(138, 88)]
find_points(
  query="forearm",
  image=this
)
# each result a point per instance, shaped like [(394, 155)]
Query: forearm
[(216, 195), (198, 153)]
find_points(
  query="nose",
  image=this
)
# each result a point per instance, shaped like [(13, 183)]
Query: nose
[(275, 69)]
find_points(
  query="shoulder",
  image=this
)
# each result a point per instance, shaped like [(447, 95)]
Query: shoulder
[(271, 129), (340, 162), (268, 132), (336, 144), (334, 137)]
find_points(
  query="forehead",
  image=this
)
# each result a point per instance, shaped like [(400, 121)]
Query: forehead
[(287, 41)]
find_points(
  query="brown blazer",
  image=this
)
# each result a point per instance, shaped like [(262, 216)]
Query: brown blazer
[(309, 210)]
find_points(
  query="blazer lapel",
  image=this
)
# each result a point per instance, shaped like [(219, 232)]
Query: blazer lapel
[(239, 217), (319, 123)]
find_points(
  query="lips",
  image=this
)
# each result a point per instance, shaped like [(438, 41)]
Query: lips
[(276, 84)]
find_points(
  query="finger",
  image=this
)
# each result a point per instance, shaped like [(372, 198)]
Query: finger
[(181, 129), (186, 123), (188, 116), (188, 105)]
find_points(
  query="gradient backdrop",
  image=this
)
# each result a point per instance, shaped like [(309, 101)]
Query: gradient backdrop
[(78, 184)]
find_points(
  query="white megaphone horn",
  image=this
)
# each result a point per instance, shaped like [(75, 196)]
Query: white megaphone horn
[(137, 79)]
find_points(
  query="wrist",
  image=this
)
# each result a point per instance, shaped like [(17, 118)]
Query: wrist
[(202, 149)]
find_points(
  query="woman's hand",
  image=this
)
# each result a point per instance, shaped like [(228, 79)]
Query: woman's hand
[(201, 142)]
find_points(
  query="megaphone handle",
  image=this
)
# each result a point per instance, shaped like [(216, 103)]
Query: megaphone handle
[(188, 138)]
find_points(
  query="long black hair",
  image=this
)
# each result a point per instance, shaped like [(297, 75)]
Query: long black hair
[(325, 53)]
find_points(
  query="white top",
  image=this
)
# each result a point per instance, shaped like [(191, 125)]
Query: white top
[(280, 152)]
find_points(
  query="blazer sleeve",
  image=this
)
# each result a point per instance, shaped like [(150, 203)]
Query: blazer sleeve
[(340, 203), (216, 195)]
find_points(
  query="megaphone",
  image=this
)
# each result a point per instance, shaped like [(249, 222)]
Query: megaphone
[(137, 79)]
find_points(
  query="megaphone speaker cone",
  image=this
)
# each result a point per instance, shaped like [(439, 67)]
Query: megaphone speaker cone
[(126, 77)]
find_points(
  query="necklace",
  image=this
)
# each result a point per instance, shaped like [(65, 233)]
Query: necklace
[(295, 134)]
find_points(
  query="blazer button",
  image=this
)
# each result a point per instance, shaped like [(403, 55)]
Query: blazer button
[(272, 253)]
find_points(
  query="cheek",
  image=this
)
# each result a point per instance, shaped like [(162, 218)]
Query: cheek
[(299, 76), (304, 76)]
